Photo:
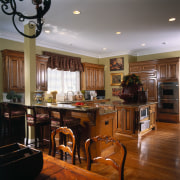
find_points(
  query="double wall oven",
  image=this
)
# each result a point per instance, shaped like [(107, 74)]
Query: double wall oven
[(168, 97)]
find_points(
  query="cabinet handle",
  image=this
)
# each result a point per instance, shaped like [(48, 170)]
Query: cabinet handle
[(106, 122)]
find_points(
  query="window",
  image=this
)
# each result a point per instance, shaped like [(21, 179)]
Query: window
[(63, 81)]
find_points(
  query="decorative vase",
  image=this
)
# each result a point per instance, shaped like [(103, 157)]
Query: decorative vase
[(39, 97), (129, 94)]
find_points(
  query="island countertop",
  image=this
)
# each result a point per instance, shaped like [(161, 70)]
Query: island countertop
[(121, 104)]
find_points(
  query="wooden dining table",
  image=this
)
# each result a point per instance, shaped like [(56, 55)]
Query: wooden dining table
[(55, 169)]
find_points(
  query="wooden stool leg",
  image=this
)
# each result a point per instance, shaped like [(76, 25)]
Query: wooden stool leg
[(27, 135)]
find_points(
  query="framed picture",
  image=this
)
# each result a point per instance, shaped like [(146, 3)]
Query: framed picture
[(116, 91), (117, 64), (116, 79)]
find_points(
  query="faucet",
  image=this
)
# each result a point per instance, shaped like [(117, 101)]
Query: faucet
[(68, 93)]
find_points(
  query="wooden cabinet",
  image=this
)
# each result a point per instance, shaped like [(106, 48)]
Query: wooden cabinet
[(150, 85), (153, 115), (92, 78), (135, 120), (125, 120), (13, 71), (148, 75), (168, 69), (41, 72)]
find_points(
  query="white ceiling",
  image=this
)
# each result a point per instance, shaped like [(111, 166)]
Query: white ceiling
[(139, 21)]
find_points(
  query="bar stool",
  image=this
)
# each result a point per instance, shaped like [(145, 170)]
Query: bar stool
[(59, 120), (11, 113), (39, 119)]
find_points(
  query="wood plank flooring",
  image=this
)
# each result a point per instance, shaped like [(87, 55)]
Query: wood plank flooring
[(155, 156)]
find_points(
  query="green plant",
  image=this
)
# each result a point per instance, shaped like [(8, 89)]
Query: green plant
[(131, 80), (18, 96), (11, 95)]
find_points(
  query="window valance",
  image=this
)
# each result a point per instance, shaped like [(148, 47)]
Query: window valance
[(63, 62)]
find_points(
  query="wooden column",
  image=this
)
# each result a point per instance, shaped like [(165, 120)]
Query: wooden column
[(29, 69)]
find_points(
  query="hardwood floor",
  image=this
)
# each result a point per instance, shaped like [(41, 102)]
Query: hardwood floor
[(154, 156)]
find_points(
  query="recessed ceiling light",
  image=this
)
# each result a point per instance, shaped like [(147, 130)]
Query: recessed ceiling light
[(61, 33), (164, 43), (172, 19), (104, 49), (118, 32), (47, 31), (143, 44), (76, 12)]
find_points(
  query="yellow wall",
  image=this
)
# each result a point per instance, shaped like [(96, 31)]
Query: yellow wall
[(159, 56), (106, 62), (8, 44)]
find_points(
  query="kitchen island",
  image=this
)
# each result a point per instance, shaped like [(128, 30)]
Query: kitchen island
[(94, 120), (135, 119)]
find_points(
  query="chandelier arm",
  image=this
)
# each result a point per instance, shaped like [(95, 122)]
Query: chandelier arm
[(5, 6), (31, 23), (41, 11)]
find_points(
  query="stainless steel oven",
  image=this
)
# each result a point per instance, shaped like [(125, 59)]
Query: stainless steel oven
[(168, 106), (168, 97), (168, 90)]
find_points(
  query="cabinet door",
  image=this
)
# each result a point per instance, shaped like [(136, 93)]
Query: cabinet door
[(153, 116), (41, 73), (172, 70), (168, 71), (21, 72), (99, 79), (162, 71), (90, 78), (125, 120), (150, 85), (16, 81)]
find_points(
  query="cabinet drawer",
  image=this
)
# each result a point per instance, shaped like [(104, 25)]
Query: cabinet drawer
[(135, 68), (149, 67), (148, 74)]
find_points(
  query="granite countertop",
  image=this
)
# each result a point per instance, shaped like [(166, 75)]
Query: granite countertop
[(133, 104)]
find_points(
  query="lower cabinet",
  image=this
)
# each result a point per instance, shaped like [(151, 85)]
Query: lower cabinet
[(126, 120), (135, 120)]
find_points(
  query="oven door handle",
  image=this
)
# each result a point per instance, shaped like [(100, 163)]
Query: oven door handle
[(168, 99)]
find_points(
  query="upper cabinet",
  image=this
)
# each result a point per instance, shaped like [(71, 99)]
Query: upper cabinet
[(92, 78), (13, 71), (41, 72), (168, 69)]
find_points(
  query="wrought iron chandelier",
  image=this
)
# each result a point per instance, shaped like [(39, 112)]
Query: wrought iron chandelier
[(9, 7)]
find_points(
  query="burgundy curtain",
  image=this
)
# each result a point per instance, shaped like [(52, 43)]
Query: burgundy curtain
[(62, 62)]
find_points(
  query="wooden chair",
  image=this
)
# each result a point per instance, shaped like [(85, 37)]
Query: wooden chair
[(11, 113), (39, 119), (70, 122), (63, 132), (118, 164)]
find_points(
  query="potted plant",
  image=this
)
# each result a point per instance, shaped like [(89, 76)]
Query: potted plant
[(18, 96), (11, 95), (130, 84)]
